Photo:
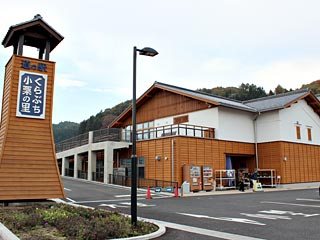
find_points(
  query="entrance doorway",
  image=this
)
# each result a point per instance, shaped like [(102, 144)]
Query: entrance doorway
[(243, 165)]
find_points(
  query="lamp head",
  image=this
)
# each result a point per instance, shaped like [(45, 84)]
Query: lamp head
[(147, 51)]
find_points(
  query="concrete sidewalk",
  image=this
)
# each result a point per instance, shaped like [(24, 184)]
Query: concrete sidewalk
[(282, 187)]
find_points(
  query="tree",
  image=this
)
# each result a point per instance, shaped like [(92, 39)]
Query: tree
[(64, 130), (279, 89)]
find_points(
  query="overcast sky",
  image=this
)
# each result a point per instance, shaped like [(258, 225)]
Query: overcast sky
[(201, 43)]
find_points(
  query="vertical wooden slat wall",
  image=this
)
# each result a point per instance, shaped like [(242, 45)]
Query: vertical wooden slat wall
[(28, 168), (294, 162), (187, 150), (163, 104)]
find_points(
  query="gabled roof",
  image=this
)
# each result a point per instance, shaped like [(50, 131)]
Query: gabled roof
[(264, 104), (201, 96), (36, 32), (206, 97), (277, 101)]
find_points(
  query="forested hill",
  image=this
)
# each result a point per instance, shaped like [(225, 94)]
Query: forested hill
[(65, 130)]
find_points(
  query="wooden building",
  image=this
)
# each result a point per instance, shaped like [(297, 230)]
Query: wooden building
[(178, 126)]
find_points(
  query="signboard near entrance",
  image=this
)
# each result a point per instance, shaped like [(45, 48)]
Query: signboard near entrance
[(31, 99)]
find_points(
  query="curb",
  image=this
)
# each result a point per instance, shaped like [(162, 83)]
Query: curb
[(6, 234), (158, 233), (161, 228)]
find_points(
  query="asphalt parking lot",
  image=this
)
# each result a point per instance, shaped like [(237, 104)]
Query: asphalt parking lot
[(275, 215)]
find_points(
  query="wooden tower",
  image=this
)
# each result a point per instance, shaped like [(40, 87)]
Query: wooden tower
[(28, 167)]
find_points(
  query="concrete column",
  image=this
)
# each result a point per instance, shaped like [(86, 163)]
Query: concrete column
[(63, 167), (75, 164), (90, 140), (108, 162), (92, 160)]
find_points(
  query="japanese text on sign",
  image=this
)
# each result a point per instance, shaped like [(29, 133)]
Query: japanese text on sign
[(31, 95), (26, 64)]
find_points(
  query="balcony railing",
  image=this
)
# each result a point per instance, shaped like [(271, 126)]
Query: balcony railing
[(102, 135), (117, 134), (107, 134), (70, 143), (171, 130)]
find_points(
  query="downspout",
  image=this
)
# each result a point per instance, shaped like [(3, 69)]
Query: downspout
[(172, 159), (255, 138)]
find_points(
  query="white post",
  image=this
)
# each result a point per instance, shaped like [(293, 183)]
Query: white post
[(75, 166), (63, 166), (92, 159), (90, 140), (108, 162)]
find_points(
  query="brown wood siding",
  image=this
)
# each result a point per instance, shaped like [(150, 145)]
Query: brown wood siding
[(164, 104), (294, 162), (187, 150), (28, 168)]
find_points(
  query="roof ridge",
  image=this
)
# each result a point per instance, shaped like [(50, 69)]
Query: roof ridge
[(277, 95), (200, 92)]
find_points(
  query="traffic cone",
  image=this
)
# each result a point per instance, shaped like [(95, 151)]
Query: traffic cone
[(148, 193), (176, 192)]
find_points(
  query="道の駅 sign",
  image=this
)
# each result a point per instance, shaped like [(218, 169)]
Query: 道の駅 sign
[(31, 99)]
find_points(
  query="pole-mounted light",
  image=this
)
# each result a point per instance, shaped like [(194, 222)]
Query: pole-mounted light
[(151, 53)]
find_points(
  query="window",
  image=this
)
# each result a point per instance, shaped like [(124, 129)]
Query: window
[(298, 132), (181, 119), (309, 134)]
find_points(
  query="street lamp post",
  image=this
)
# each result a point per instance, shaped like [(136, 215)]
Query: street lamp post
[(151, 53)]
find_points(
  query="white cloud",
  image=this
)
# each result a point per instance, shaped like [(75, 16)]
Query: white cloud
[(114, 91), (288, 73), (66, 80)]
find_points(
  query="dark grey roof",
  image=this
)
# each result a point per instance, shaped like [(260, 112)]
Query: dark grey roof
[(276, 101), (36, 32), (226, 102)]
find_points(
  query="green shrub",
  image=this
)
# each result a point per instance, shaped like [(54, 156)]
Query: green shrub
[(74, 223)]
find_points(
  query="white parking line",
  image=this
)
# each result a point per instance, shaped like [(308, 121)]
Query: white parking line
[(71, 200), (116, 200), (67, 189), (292, 204), (128, 195), (310, 200), (206, 232)]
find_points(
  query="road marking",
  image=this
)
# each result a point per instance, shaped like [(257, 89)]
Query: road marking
[(310, 200), (203, 231), (108, 205), (266, 216), (290, 213), (138, 204), (67, 189), (128, 195), (239, 220), (116, 200), (71, 200), (292, 204), (111, 205)]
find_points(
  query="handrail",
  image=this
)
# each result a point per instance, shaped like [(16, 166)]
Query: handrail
[(117, 135), (70, 143), (174, 129)]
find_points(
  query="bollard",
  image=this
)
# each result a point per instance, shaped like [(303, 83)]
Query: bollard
[(148, 193)]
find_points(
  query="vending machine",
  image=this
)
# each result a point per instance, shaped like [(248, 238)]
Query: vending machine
[(192, 174), (207, 178)]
